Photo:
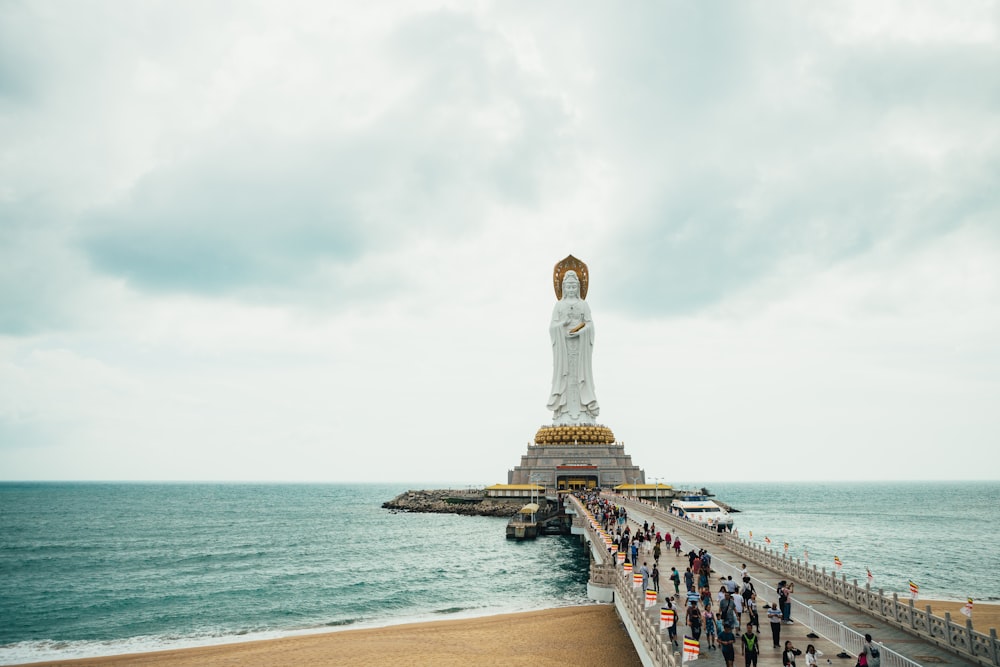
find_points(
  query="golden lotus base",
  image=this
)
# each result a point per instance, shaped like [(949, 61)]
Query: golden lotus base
[(574, 435)]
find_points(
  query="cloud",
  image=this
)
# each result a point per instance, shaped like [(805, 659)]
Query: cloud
[(329, 231)]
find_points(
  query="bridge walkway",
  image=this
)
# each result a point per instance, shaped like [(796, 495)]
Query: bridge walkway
[(808, 605)]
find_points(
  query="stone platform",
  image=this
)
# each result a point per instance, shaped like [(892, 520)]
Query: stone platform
[(576, 457)]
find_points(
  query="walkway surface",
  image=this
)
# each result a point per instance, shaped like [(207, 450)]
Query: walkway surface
[(918, 650)]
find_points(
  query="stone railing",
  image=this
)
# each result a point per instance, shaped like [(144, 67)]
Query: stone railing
[(958, 638), (643, 624)]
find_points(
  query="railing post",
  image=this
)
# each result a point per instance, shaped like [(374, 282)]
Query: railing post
[(994, 652)]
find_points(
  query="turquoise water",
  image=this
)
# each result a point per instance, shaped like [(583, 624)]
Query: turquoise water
[(95, 569), (945, 536)]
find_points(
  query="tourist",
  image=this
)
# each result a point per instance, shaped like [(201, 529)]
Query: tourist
[(751, 647), (656, 578), (788, 654), (730, 584), (744, 574), (738, 603), (676, 578), (774, 617), (688, 580), (811, 655), (694, 621), (710, 628), (656, 552), (672, 628), (726, 641), (635, 553), (644, 571), (692, 597), (727, 610), (677, 547), (785, 601), (703, 574), (872, 653), (751, 605), (748, 589)]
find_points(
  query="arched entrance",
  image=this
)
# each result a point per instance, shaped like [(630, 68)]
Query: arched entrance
[(576, 482)]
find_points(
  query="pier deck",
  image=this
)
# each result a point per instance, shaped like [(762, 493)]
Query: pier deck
[(920, 651)]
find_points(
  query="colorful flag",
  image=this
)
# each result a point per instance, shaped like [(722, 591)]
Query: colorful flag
[(637, 580), (839, 563), (627, 568), (667, 617), (650, 598), (621, 557), (690, 649), (967, 609), (767, 540), (751, 536), (870, 575), (914, 589), (786, 547), (805, 553)]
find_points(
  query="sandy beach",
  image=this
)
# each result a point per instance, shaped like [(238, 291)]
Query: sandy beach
[(584, 636)]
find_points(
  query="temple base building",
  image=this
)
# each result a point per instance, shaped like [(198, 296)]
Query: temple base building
[(576, 457)]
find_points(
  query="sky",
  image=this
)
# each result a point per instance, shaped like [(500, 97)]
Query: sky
[(313, 241)]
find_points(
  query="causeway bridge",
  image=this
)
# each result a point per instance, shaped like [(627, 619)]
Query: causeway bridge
[(830, 613)]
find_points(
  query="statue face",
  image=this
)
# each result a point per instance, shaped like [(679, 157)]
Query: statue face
[(571, 286)]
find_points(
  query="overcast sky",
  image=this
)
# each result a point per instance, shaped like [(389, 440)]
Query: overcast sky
[(314, 240)]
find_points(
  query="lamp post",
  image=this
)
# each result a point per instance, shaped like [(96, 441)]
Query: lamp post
[(656, 490), (635, 487)]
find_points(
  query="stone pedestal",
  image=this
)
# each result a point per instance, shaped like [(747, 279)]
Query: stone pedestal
[(576, 457)]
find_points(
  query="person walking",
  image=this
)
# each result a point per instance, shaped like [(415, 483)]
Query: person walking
[(751, 646), (774, 617), (811, 656), (872, 652), (689, 580), (710, 628), (752, 610), (676, 578), (726, 640), (644, 571), (655, 575), (672, 628), (694, 621)]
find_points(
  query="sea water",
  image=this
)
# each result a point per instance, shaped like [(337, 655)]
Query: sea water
[(943, 536), (97, 569)]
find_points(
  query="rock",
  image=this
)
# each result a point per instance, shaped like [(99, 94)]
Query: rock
[(449, 501)]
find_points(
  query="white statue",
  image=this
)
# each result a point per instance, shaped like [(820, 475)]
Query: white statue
[(572, 400)]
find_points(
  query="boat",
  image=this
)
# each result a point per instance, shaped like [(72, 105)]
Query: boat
[(524, 524), (700, 509)]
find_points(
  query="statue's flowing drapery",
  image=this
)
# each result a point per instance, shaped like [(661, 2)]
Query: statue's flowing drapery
[(572, 399)]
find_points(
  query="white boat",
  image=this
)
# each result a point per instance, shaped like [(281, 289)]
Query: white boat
[(702, 510)]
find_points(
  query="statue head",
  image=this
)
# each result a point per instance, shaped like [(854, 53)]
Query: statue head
[(582, 274), (571, 285)]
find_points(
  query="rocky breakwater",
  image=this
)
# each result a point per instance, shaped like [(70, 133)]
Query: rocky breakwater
[(450, 501)]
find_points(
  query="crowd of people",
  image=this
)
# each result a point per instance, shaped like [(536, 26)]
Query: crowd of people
[(718, 617)]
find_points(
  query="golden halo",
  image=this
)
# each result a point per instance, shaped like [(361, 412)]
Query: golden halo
[(571, 263)]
